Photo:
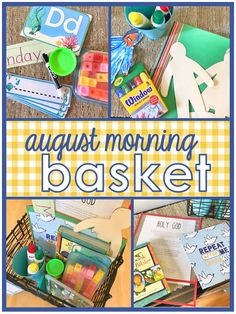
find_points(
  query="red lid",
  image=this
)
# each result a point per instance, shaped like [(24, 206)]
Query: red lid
[(32, 248), (165, 9)]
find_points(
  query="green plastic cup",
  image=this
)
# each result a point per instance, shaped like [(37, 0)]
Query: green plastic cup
[(55, 268), (62, 61)]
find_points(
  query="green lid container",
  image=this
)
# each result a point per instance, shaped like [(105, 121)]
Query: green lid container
[(62, 61), (55, 268)]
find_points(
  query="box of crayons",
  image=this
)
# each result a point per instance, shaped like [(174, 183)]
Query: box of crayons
[(138, 94)]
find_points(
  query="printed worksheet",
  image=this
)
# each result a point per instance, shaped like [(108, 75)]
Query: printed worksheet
[(164, 235)]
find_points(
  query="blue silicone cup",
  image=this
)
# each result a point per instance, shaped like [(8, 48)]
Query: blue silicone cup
[(153, 33), (20, 265)]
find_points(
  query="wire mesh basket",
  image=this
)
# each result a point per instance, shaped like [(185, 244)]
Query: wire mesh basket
[(219, 208), (19, 237)]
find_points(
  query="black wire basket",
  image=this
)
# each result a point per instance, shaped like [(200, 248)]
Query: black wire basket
[(217, 208), (19, 237)]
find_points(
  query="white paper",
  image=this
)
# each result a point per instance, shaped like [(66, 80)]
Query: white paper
[(164, 235), (13, 289), (87, 208)]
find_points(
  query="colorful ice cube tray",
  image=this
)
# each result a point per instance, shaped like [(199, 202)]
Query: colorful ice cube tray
[(91, 77)]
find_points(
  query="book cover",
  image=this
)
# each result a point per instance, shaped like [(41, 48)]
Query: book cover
[(208, 51), (149, 280), (57, 26), (208, 251), (69, 241)]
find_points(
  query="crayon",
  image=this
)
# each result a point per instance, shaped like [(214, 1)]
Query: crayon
[(119, 92), (126, 88), (132, 84), (137, 80), (144, 77)]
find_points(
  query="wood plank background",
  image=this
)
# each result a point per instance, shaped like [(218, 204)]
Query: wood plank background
[(96, 39), (211, 18)]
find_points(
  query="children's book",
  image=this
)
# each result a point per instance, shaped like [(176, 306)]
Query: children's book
[(45, 226), (190, 60), (46, 221), (208, 251), (57, 26), (149, 280), (69, 241)]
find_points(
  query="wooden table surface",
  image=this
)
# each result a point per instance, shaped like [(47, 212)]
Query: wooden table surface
[(211, 18), (96, 39), (120, 291)]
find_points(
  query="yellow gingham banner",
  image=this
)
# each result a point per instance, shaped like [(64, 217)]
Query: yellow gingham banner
[(24, 168)]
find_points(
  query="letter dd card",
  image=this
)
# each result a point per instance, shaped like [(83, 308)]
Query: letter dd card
[(57, 26)]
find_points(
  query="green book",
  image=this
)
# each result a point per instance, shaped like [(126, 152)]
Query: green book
[(150, 283), (203, 47)]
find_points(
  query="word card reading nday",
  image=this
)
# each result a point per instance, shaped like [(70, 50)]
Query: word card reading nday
[(57, 26)]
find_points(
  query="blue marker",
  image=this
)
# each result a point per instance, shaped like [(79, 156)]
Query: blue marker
[(119, 92)]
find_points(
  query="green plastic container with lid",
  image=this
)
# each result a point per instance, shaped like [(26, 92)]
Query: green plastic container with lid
[(55, 268), (62, 61)]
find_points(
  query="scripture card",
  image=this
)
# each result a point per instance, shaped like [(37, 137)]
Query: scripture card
[(163, 234), (57, 26), (208, 251)]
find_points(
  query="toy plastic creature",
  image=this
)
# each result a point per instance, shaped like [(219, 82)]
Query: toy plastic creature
[(122, 48)]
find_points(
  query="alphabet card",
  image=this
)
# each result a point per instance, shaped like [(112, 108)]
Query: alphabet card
[(57, 26), (208, 251)]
